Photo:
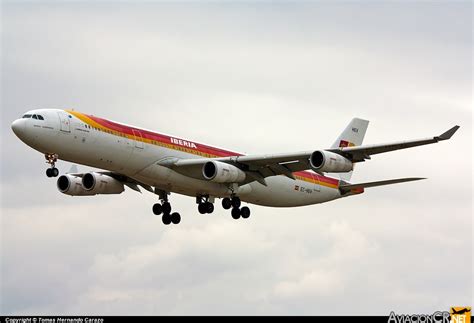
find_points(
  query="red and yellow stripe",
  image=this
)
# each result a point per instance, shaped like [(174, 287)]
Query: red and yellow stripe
[(158, 139), (317, 179)]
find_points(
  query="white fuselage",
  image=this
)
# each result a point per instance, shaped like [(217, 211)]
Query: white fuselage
[(136, 152)]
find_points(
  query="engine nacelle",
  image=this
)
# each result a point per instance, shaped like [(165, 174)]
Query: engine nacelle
[(325, 161), (97, 183), (72, 185), (219, 172)]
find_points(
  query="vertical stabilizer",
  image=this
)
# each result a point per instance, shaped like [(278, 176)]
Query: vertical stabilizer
[(353, 135)]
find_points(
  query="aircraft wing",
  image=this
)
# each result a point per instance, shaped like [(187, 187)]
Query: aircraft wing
[(258, 167), (361, 153)]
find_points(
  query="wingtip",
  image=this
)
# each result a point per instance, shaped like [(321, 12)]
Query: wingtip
[(448, 134)]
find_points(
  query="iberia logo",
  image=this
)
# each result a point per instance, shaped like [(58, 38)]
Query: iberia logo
[(460, 315), (345, 143)]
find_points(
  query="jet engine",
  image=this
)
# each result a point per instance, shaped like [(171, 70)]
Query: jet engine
[(71, 185), (325, 161), (220, 172), (89, 184), (97, 183)]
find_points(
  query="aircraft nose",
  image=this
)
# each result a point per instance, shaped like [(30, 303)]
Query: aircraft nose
[(18, 127)]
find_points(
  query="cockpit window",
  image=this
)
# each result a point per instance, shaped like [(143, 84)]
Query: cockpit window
[(26, 116), (34, 116), (40, 117)]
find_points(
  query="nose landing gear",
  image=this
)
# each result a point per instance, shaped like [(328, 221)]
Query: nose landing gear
[(51, 159)]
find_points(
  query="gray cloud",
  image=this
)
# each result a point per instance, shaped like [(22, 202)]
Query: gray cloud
[(254, 77)]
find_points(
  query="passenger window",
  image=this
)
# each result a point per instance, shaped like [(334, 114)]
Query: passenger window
[(34, 116), (40, 117)]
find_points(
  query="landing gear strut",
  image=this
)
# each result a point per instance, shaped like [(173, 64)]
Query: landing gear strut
[(204, 204), (51, 159), (165, 209)]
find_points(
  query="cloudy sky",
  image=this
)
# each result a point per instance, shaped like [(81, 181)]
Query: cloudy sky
[(254, 77)]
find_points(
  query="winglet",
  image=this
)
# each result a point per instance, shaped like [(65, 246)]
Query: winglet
[(448, 134)]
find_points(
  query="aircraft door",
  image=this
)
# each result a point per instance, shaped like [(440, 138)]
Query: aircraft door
[(65, 122), (316, 185), (138, 138)]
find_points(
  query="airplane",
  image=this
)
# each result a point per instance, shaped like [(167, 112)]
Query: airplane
[(461, 311), (163, 164)]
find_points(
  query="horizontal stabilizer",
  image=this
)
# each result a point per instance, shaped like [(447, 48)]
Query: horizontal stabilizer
[(349, 187)]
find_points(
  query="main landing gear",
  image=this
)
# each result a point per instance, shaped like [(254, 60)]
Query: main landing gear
[(234, 203), (204, 205), (165, 209), (51, 159)]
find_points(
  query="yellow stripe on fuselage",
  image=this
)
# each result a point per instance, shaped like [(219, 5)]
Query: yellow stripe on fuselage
[(316, 182)]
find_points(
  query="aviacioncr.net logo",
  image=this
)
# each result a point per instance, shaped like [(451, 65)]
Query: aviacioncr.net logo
[(436, 317)]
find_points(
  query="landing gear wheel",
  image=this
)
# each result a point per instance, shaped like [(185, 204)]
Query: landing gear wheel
[(166, 208), (202, 208), (157, 209), (51, 159), (235, 213), (209, 207), (166, 218), (175, 218), (226, 203), (236, 202), (245, 212)]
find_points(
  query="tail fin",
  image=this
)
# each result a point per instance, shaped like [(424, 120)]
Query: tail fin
[(353, 135)]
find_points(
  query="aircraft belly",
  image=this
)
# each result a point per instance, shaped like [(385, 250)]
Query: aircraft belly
[(285, 192)]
